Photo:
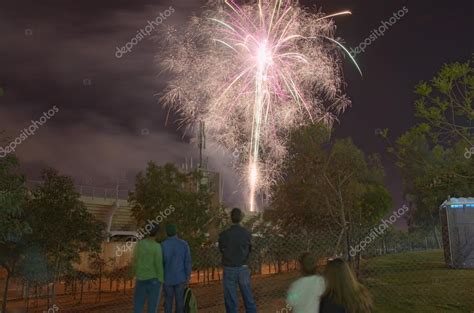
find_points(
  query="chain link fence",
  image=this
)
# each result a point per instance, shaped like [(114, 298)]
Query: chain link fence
[(404, 273)]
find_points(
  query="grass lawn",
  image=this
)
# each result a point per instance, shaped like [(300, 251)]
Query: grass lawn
[(418, 282)]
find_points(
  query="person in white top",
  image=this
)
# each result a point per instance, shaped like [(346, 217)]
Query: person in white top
[(305, 294)]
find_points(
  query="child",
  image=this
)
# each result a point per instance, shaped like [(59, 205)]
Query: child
[(305, 293)]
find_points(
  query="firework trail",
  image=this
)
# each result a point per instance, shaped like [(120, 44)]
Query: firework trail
[(253, 73)]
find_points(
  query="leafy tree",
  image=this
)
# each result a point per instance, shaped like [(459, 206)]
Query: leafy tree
[(445, 104), (295, 203), (155, 191), (163, 187), (431, 155), (34, 269), (330, 187), (62, 227), (13, 227)]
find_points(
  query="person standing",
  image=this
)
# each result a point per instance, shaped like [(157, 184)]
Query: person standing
[(177, 267), (305, 294), (148, 270), (235, 245), (344, 294)]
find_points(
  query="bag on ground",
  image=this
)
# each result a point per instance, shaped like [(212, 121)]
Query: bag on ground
[(190, 303)]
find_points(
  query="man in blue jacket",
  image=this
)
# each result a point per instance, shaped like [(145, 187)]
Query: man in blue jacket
[(177, 268)]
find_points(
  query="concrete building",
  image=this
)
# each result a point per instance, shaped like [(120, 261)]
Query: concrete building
[(110, 205)]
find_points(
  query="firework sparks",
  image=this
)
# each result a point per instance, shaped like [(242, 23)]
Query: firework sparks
[(253, 73)]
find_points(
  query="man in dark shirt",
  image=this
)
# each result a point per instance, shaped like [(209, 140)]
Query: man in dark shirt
[(235, 244)]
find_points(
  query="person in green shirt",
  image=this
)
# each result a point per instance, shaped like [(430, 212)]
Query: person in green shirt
[(148, 270)]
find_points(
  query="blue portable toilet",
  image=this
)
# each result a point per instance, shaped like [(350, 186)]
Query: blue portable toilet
[(457, 221)]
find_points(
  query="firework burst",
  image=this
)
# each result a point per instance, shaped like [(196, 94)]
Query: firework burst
[(253, 73)]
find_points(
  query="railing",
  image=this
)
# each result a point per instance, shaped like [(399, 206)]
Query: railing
[(93, 191), (101, 192)]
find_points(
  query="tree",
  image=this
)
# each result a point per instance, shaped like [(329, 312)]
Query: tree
[(62, 227), (13, 227), (165, 187), (98, 264), (431, 155), (431, 173), (445, 104), (330, 187), (297, 199), (357, 196), (34, 269)]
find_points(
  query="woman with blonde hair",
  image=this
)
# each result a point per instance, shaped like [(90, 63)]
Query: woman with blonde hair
[(344, 294)]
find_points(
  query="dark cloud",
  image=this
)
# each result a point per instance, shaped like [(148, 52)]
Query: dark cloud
[(62, 52)]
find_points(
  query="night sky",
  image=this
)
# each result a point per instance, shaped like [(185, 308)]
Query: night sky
[(110, 123)]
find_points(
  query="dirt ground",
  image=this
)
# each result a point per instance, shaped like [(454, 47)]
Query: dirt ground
[(269, 292), (407, 282)]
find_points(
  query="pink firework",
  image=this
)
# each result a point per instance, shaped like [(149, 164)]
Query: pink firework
[(253, 73)]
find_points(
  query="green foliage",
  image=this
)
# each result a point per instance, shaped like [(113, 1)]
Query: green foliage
[(161, 187), (156, 191), (295, 204), (62, 227), (330, 187), (374, 203), (432, 172), (13, 227), (43, 232), (430, 155), (34, 267), (13, 194), (446, 103)]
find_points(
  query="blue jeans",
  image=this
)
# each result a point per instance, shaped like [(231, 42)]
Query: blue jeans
[(148, 290), (175, 292), (234, 276)]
